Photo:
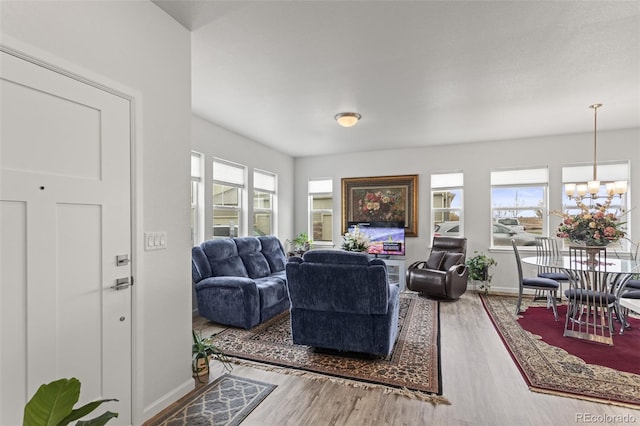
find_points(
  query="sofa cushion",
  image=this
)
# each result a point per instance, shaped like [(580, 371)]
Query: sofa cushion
[(252, 258), (435, 259), (223, 258), (271, 291), (336, 257), (274, 253), (449, 260)]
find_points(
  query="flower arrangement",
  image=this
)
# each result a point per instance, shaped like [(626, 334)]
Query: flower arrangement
[(382, 206), (355, 240), (593, 226)]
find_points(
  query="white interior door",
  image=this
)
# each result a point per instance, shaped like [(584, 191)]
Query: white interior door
[(64, 217)]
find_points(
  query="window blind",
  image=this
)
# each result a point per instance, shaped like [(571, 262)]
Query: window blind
[(228, 173), (264, 181)]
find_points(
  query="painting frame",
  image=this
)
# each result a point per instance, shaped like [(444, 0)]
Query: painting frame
[(389, 198)]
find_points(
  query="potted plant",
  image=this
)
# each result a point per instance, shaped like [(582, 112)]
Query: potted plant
[(203, 351), (301, 243), (479, 269), (52, 404)]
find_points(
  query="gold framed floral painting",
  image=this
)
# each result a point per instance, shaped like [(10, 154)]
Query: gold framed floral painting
[(381, 199)]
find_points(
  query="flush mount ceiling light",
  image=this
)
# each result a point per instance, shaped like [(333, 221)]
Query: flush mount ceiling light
[(348, 119)]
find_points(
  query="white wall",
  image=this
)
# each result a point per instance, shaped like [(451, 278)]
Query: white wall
[(214, 141), (135, 47), (476, 161)]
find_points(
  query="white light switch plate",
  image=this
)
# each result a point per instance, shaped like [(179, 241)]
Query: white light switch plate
[(155, 240)]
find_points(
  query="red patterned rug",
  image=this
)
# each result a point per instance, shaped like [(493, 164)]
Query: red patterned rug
[(551, 369), (624, 355), (418, 344)]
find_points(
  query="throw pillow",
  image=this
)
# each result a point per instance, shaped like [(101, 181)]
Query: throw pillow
[(449, 260), (435, 259)]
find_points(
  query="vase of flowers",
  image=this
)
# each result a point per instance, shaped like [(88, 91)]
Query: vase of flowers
[(355, 240), (592, 226)]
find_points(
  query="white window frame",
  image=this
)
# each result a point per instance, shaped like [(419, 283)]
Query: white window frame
[(522, 177), (447, 182), (265, 182), (319, 188), (197, 198), (233, 175)]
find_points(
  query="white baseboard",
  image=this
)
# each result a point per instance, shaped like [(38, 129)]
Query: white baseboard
[(167, 399)]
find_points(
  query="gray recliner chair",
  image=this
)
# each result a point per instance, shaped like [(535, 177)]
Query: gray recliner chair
[(444, 274)]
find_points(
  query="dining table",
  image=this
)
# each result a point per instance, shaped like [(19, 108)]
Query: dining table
[(617, 272)]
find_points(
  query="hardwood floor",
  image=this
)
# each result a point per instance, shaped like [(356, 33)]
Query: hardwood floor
[(479, 379)]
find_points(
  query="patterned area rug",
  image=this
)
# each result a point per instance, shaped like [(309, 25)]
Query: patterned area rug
[(549, 369), (413, 368), (225, 401)]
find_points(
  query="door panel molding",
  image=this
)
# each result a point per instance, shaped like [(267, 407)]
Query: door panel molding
[(134, 98)]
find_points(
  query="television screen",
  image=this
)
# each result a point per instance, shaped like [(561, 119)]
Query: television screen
[(387, 238)]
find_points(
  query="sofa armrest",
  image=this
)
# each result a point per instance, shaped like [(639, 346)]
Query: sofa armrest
[(457, 277), (421, 264), (229, 300)]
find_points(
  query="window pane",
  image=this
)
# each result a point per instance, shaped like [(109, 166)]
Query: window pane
[(319, 202), (517, 197), (322, 226), (447, 199), (225, 223), (262, 224), (194, 213), (195, 165), (447, 204), (262, 200), (224, 195), (518, 213)]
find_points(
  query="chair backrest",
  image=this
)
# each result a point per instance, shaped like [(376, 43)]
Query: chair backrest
[(547, 247), (338, 281), (518, 263), (450, 245)]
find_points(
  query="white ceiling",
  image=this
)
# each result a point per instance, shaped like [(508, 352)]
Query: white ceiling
[(420, 72)]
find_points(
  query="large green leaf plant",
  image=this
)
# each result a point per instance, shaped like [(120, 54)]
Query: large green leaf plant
[(52, 405)]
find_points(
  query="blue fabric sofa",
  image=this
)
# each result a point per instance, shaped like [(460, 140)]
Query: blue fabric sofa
[(240, 281), (343, 301)]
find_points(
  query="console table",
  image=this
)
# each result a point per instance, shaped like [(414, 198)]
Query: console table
[(396, 271)]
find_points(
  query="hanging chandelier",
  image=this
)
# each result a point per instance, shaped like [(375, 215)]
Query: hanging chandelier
[(592, 188)]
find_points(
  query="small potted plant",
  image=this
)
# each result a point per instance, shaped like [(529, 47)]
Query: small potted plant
[(203, 351), (301, 243), (479, 269)]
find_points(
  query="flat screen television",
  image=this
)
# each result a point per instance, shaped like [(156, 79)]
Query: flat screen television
[(387, 238)]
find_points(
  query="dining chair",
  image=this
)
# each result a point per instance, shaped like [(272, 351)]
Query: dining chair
[(547, 247), (546, 285), (631, 290), (634, 283), (591, 301)]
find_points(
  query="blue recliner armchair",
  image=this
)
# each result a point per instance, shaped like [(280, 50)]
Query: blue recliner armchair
[(342, 301)]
